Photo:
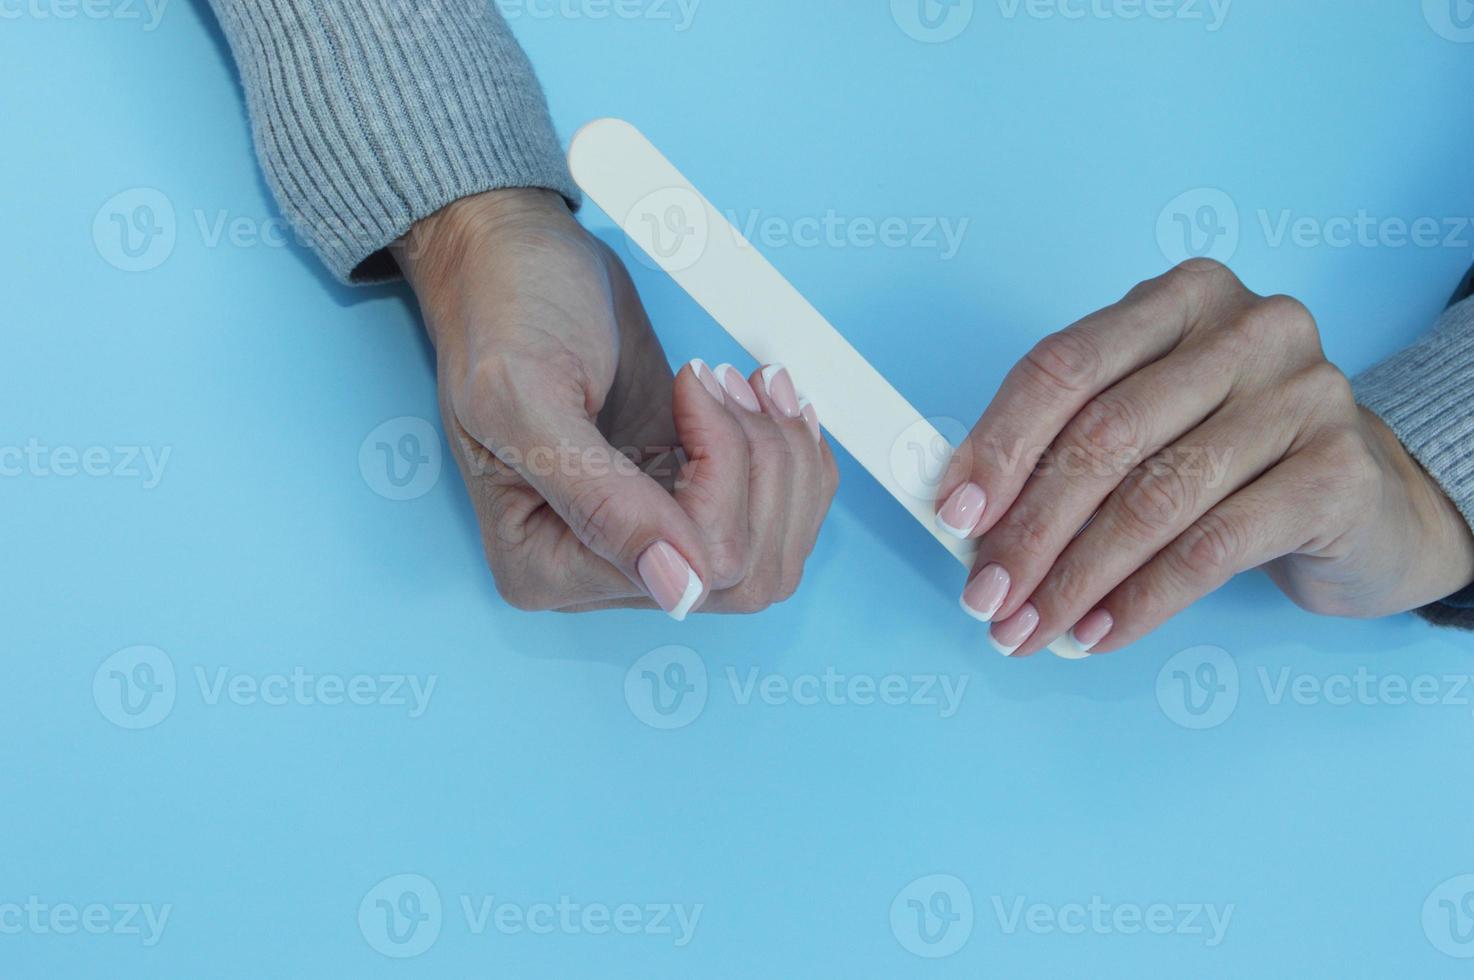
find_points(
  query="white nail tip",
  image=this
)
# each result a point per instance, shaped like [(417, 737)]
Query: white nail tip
[(1006, 651), (769, 373), (697, 365), (982, 617), (961, 533), (694, 588), (1069, 648)]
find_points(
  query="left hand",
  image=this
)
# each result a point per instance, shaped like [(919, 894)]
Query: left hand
[(1200, 431)]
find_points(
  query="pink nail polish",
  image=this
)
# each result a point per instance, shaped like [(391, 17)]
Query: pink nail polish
[(779, 386), (670, 579), (985, 593), (811, 417), (738, 387), (707, 379), (1015, 631), (1096, 626), (963, 511)]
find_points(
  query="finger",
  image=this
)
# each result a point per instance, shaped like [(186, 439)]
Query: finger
[(770, 475), (1158, 501), (1060, 375), (1275, 516), (713, 486), (1110, 436), (807, 502)]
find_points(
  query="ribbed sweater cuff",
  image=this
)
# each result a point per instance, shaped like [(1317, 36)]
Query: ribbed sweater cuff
[(1425, 394), (371, 114)]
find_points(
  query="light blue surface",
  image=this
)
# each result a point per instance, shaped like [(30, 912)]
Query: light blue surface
[(531, 774)]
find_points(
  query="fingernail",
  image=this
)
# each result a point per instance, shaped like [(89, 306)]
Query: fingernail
[(738, 387), (778, 383), (708, 380), (1014, 631), (811, 417), (670, 579), (985, 593), (963, 511), (1088, 632)]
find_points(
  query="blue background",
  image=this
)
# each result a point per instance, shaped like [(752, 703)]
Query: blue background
[(532, 775)]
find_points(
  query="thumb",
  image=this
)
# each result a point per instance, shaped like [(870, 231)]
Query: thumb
[(616, 510)]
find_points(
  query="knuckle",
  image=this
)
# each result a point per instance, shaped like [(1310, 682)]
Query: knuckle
[(1065, 361), (594, 518), (752, 595), (1201, 278), (1109, 426), (728, 561), (1327, 389), (1210, 548), (1064, 589), (1349, 474), (1030, 537), (1279, 322), (1290, 317), (830, 476), (1154, 499)]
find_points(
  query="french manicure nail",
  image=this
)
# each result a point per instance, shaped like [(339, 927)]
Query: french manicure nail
[(811, 417), (984, 595), (670, 579), (963, 511), (707, 379), (737, 387), (1014, 631), (1088, 632), (778, 383)]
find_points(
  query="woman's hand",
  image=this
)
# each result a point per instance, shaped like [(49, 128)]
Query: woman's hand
[(564, 417), (1199, 431)]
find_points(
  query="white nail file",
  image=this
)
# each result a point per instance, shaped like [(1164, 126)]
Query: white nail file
[(660, 210)]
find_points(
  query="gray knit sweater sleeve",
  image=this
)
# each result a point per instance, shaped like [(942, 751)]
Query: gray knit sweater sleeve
[(371, 114), (1425, 394)]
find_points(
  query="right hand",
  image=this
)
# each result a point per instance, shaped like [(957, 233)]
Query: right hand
[(547, 363)]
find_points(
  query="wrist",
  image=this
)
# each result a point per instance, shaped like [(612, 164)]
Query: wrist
[(438, 246), (1445, 540)]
